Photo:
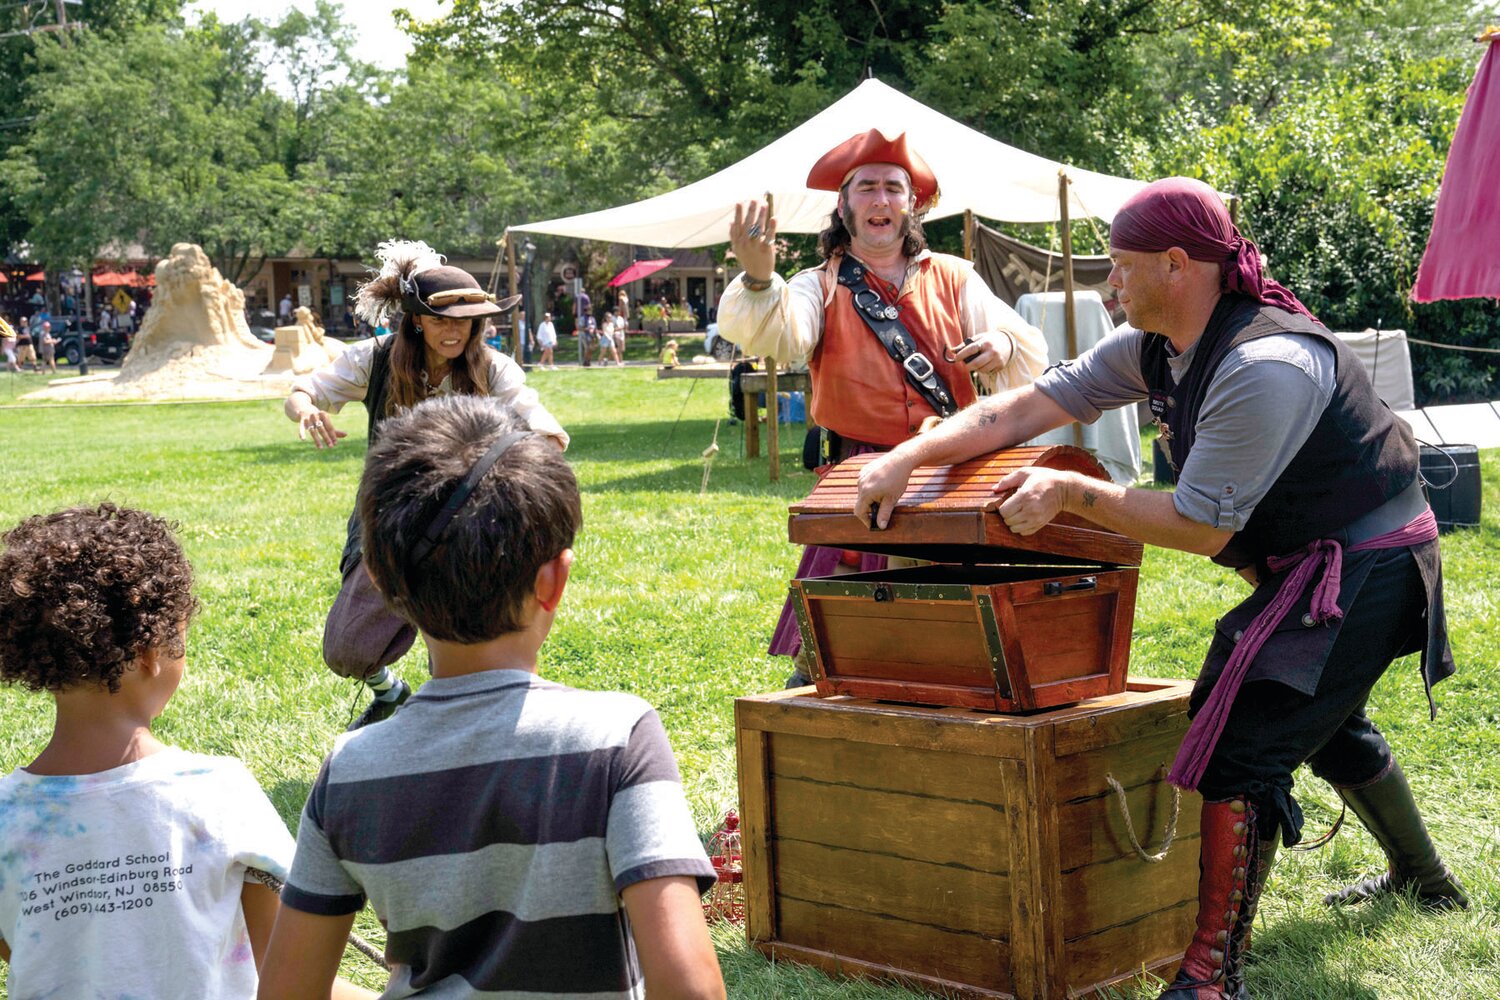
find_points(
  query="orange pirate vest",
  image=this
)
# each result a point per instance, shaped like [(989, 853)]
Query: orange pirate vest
[(859, 392)]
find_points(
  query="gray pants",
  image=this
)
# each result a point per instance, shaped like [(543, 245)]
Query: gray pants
[(362, 634)]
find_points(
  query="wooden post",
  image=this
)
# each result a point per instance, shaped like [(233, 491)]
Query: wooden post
[(1070, 320), (1234, 209), (968, 234), (510, 273), (773, 414)]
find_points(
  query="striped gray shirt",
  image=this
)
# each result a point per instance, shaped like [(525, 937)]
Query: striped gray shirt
[(492, 824)]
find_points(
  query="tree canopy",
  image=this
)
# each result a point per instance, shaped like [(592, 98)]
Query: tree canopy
[(1332, 119)]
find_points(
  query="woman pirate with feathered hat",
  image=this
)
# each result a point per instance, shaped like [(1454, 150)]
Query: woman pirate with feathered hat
[(436, 350)]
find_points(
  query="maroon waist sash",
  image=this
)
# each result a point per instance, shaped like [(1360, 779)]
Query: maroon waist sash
[(1319, 564)]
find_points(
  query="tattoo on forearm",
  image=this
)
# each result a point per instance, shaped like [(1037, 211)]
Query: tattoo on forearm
[(987, 418), (1090, 498)]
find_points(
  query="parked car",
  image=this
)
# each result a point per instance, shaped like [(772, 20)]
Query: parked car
[(108, 346), (716, 346)]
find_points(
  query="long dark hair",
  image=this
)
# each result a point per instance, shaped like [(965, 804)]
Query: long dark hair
[(469, 371), (836, 238)]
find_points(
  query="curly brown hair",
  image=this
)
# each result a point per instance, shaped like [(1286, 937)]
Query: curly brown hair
[(84, 591)]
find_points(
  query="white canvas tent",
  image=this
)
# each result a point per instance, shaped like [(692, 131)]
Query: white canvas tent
[(976, 173)]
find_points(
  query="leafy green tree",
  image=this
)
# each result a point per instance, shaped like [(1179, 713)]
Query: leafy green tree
[(137, 137), (1339, 179)]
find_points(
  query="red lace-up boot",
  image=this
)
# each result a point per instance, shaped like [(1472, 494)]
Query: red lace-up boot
[(1232, 870)]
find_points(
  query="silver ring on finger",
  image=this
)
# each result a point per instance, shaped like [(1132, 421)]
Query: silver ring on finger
[(753, 231)]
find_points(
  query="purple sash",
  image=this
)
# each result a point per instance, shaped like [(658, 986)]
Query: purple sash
[(1323, 561)]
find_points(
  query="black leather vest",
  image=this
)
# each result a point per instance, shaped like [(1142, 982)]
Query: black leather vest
[(1358, 456)]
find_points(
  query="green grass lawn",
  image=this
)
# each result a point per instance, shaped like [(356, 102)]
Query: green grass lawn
[(673, 598)]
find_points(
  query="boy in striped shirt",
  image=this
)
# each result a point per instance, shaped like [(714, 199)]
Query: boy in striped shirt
[(517, 838)]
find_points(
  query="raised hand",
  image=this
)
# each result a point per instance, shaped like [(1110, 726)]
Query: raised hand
[(752, 236)]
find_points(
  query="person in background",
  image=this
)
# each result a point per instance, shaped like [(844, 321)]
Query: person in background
[(47, 347), (8, 345), (607, 338), (546, 339), (619, 338), (25, 349)]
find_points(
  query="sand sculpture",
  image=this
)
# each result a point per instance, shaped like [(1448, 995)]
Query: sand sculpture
[(194, 343), (302, 347)]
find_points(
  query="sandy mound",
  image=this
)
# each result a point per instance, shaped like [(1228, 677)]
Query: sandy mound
[(194, 344), (302, 347)]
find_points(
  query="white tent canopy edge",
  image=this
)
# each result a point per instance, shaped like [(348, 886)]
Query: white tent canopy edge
[(975, 173)]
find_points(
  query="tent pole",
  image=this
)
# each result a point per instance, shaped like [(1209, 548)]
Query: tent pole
[(510, 274), (968, 234), (1070, 321), (773, 416)]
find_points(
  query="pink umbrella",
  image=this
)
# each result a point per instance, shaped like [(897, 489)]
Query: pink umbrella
[(639, 269), (37, 276)]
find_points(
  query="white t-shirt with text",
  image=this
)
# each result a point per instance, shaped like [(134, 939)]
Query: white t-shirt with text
[(127, 883)]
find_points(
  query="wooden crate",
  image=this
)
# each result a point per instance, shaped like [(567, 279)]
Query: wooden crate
[(963, 852)]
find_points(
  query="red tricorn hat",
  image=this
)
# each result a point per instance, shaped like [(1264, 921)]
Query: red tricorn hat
[(834, 167)]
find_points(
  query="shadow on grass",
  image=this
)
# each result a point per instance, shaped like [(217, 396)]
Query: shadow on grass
[(1296, 950)]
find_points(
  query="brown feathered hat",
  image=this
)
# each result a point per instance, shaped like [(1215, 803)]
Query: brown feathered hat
[(414, 279)]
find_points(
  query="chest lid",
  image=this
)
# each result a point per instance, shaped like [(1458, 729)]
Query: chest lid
[(951, 514)]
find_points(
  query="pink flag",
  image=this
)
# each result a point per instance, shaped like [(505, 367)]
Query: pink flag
[(1460, 262)]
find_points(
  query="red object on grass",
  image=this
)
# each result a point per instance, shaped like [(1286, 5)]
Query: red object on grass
[(639, 269), (1467, 217), (726, 900)]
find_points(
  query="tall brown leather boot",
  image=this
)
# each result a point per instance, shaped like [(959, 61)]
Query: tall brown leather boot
[(1389, 812), (1231, 871)]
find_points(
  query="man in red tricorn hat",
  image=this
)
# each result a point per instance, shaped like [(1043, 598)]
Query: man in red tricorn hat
[(891, 331), (1289, 469)]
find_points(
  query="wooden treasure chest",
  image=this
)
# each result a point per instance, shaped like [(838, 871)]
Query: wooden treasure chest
[(991, 620)]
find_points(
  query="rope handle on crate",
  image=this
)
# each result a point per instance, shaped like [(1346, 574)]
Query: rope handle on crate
[(1168, 834)]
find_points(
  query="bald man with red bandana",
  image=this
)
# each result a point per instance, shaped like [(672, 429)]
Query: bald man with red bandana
[(1290, 470)]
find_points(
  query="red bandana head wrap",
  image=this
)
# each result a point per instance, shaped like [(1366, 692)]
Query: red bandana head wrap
[(1182, 212)]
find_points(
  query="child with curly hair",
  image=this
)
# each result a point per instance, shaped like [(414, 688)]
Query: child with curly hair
[(125, 864)]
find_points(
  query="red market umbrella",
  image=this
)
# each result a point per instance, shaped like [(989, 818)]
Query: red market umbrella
[(3, 278), (105, 279), (639, 269), (37, 276)]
